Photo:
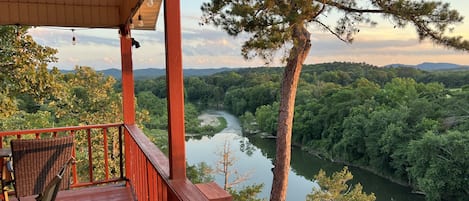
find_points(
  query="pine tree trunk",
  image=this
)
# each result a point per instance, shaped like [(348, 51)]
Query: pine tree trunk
[(291, 75)]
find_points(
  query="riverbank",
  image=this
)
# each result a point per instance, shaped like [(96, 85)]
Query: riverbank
[(210, 123), (209, 119), (322, 156), (256, 154)]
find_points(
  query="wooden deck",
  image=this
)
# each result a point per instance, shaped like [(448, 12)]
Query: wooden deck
[(108, 192)]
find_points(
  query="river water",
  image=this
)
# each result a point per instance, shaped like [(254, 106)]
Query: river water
[(254, 157)]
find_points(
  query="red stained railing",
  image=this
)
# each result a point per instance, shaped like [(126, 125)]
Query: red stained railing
[(91, 150), (146, 167), (149, 174)]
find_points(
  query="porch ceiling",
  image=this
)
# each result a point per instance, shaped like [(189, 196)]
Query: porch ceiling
[(79, 13)]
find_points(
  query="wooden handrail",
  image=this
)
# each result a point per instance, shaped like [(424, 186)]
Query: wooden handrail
[(58, 129), (153, 172)]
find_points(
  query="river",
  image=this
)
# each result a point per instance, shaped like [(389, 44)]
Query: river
[(254, 157)]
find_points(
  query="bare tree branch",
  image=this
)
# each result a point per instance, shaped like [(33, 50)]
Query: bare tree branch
[(330, 30), (350, 9)]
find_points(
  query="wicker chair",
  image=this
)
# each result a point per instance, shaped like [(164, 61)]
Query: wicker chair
[(52, 188), (37, 161)]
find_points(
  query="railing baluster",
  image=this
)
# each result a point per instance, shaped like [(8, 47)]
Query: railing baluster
[(74, 165), (106, 163), (121, 157), (90, 155)]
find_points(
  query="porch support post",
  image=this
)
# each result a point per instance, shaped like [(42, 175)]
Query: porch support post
[(128, 100), (175, 90)]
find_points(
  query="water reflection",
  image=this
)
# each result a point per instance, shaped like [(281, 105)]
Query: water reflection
[(255, 155)]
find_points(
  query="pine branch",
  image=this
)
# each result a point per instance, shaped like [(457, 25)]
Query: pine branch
[(320, 11), (331, 31), (453, 42), (350, 9)]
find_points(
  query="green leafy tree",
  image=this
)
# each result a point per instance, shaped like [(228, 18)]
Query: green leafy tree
[(22, 120), (441, 165), (89, 98), (156, 108), (266, 117), (23, 69), (248, 122), (200, 173), (247, 193), (274, 25), (336, 188)]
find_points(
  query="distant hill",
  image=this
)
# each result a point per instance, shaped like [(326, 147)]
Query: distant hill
[(155, 72), (428, 66)]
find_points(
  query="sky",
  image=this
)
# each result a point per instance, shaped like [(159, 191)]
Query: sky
[(210, 47)]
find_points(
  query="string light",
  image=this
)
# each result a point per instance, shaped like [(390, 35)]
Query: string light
[(150, 3), (74, 40), (140, 20)]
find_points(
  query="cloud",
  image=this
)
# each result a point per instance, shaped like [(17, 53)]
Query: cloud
[(207, 46)]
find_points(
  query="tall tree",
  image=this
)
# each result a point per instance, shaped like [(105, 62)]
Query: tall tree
[(282, 24), (23, 69)]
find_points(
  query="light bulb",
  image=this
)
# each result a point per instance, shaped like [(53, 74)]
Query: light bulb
[(131, 24), (74, 40), (150, 3), (140, 21)]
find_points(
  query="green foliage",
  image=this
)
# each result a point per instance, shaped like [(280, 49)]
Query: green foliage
[(247, 193), (210, 130), (336, 188), (441, 165), (22, 120), (87, 98), (199, 173), (266, 118), (248, 122), (159, 137), (23, 69), (157, 109)]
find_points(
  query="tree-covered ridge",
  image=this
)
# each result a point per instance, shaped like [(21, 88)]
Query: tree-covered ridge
[(379, 118)]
